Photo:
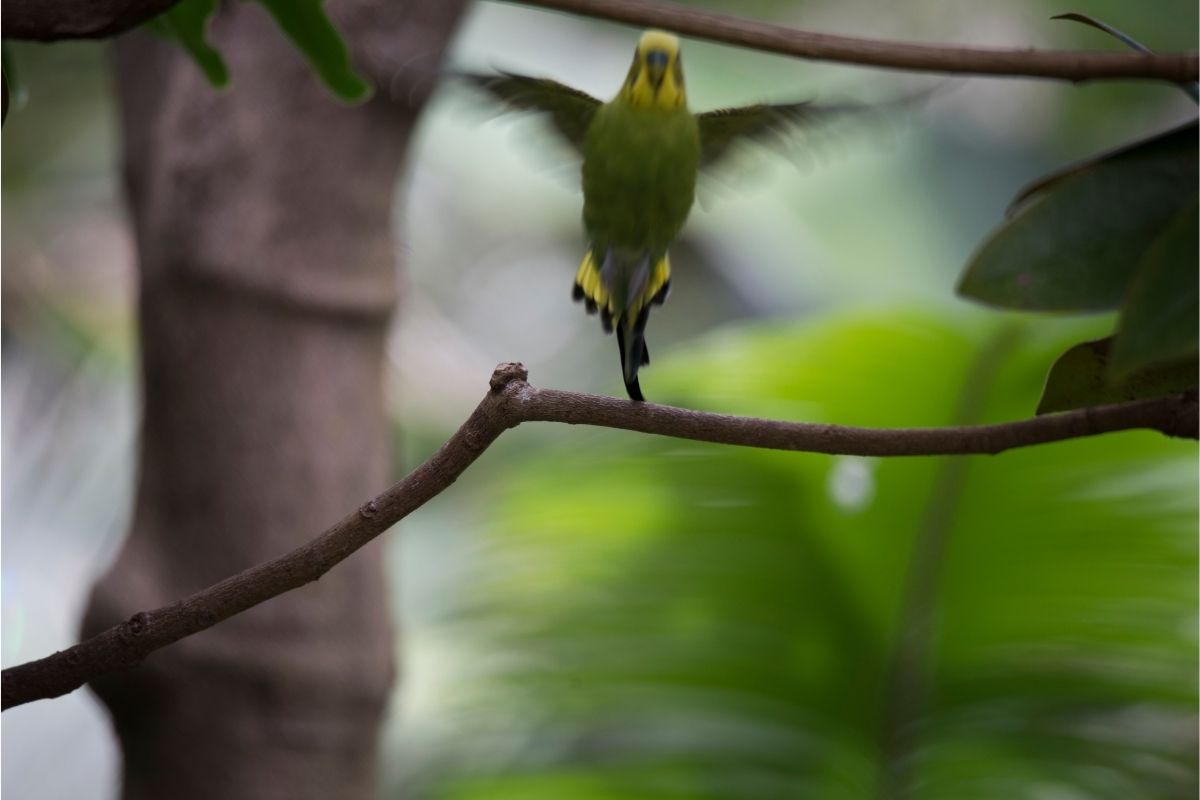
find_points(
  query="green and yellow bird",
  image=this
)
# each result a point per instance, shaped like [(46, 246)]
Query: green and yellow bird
[(642, 152)]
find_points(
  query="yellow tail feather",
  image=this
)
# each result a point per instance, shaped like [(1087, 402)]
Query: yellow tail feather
[(590, 286)]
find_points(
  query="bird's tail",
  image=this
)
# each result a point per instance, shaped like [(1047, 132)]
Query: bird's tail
[(634, 354), (623, 295)]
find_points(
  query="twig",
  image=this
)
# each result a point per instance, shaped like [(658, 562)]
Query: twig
[(510, 402), (50, 20), (1072, 66)]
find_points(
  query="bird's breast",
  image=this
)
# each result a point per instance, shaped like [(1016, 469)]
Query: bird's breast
[(639, 176)]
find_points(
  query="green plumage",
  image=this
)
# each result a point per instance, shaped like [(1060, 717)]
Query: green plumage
[(639, 182)]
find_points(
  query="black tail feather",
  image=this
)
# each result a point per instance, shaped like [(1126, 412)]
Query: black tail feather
[(661, 295), (637, 351)]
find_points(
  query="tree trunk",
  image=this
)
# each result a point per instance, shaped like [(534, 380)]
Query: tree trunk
[(267, 282)]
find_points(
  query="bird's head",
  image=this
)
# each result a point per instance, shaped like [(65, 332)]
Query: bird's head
[(656, 76)]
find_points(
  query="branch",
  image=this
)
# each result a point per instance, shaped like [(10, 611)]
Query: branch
[(1072, 66), (49, 20), (510, 402)]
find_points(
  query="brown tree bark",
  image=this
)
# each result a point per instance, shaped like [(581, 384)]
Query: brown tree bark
[(267, 282)]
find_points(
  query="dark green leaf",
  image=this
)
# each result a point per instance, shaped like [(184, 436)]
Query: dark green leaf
[(1076, 239), (187, 22), (1080, 378), (1161, 313), (305, 23), (1174, 140)]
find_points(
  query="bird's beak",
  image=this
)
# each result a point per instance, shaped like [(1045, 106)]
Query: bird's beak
[(656, 68)]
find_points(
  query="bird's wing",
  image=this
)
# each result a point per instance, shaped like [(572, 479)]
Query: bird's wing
[(781, 124), (570, 110), (721, 128)]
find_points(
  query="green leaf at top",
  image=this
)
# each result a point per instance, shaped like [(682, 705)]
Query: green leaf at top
[(1076, 242), (305, 23), (186, 22), (1080, 378), (1161, 313)]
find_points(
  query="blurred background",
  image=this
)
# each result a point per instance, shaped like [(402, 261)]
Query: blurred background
[(589, 613)]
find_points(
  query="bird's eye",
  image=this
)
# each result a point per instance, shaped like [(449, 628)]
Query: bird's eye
[(656, 58)]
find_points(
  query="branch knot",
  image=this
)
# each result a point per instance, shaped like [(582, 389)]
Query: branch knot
[(137, 624), (506, 373)]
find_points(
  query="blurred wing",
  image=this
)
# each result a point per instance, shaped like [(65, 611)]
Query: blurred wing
[(779, 124), (570, 110)]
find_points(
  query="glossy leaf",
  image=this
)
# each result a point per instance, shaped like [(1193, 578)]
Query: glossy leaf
[(187, 23), (306, 24), (1161, 314), (1076, 239), (1081, 378)]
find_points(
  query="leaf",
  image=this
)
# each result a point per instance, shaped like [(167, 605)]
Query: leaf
[(1104, 26), (1190, 88), (1080, 378), (1161, 314), (308, 27), (187, 23), (1166, 142), (1077, 238)]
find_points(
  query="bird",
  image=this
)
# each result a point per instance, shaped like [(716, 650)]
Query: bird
[(642, 153)]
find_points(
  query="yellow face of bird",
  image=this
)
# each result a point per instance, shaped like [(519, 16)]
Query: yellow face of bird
[(655, 79)]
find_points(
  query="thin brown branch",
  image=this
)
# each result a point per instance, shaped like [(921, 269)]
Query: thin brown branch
[(1175, 416), (957, 60), (49, 20), (510, 402)]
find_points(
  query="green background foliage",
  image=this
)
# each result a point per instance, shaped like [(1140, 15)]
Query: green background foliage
[(302, 21), (658, 618), (187, 23)]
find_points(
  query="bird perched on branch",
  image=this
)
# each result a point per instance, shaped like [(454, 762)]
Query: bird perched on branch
[(642, 152)]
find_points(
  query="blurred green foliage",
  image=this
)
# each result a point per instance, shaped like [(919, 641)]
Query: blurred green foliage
[(187, 23), (656, 619), (304, 22)]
